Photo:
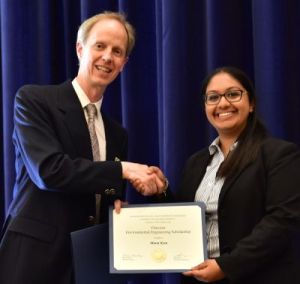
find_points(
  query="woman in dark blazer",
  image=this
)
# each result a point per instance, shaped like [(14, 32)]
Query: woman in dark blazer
[(250, 183)]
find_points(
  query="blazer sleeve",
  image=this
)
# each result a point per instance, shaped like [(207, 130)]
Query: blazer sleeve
[(279, 228), (43, 155)]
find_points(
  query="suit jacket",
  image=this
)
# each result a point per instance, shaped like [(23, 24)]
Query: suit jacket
[(258, 215), (56, 182)]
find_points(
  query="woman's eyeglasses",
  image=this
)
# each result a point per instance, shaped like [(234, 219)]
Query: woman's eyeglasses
[(232, 96)]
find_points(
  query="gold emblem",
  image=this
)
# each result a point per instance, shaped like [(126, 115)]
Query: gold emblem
[(159, 255)]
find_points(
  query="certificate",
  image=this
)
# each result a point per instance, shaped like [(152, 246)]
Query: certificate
[(155, 238)]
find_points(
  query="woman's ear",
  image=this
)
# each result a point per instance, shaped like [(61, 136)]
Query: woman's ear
[(252, 107)]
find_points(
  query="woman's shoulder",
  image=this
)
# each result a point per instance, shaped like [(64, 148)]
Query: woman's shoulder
[(275, 150), (277, 144), (199, 156)]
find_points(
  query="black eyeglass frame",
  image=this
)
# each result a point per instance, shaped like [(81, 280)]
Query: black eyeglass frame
[(225, 95)]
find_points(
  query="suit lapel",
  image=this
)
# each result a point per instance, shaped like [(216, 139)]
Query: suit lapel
[(199, 174), (195, 176), (112, 141), (69, 105), (228, 184)]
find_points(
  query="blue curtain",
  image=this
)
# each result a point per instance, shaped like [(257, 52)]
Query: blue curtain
[(157, 96)]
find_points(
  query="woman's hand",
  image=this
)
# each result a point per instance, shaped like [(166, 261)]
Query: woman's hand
[(118, 205), (207, 271)]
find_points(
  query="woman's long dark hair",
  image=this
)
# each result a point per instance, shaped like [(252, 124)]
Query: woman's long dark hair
[(250, 139)]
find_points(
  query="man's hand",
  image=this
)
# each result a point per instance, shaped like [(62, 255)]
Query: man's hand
[(160, 180), (141, 178), (146, 180), (207, 271)]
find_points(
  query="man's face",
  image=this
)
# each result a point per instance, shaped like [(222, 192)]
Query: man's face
[(103, 55)]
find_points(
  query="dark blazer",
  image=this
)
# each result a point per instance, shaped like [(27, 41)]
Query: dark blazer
[(258, 215), (56, 182)]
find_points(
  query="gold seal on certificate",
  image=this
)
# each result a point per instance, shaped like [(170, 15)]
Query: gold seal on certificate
[(159, 255), (151, 238)]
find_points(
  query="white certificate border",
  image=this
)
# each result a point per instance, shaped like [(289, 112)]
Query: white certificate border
[(176, 204)]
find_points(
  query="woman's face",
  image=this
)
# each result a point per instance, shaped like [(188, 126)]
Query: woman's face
[(228, 118)]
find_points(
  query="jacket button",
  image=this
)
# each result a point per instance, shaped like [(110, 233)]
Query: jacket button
[(110, 191), (91, 220)]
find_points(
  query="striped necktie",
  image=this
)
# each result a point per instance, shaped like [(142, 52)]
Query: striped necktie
[(92, 114)]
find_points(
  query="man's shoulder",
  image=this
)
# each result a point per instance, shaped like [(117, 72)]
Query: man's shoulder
[(41, 89)]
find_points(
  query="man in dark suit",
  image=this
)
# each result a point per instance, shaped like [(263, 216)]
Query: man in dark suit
[(57, 176)]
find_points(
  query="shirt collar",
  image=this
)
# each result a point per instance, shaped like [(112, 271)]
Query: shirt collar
[(83, 98), (214, 146)]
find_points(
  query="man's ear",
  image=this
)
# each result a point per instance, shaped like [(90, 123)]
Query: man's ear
[(124, 63), (79, 49)]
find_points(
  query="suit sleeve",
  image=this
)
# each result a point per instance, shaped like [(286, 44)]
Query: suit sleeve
[(278, 229), (41, 154)]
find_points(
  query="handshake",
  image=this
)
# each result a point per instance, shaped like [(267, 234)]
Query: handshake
[(146, 180)]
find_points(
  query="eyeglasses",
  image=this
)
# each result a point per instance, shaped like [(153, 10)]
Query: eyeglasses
[(232, 96)]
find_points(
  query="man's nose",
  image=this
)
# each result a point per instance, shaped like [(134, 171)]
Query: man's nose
[(106, 57)]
